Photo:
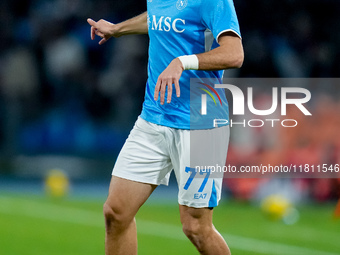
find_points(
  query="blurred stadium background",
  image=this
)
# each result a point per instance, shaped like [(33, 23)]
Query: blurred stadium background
[(68, 104)]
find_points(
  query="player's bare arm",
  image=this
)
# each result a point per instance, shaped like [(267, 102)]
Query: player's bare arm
[(106, 29), (228, 55)]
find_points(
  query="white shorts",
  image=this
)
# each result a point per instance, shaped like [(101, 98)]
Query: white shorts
[(152, 151)]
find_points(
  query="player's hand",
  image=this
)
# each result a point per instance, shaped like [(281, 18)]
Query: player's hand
[(168, 77), (103, 29)]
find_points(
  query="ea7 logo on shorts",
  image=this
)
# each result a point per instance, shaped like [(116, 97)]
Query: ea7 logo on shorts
[(181, 4), (166, 24), (200, 196)]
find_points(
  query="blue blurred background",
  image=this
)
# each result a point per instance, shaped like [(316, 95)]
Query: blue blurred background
[(68, 103)]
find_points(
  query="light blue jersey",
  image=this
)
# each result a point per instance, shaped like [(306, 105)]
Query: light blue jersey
[(185, 27)]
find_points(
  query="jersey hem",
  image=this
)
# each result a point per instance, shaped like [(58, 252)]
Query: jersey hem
[(196, 205), (139, 179), (190, 127), (228, 30)]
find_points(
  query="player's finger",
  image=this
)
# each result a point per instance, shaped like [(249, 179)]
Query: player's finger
[(168, 100), (102, 41), (93, 27), (158, 84), (162, 90), (178, 90), (93, 33), (91, 22), (99, 34)]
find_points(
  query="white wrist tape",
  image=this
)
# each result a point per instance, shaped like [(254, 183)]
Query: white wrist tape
[(189, 62)]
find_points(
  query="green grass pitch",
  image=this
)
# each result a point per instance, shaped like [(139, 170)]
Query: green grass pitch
[(33, 225)]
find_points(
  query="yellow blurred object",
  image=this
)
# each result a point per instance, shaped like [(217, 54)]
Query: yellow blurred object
[(276, 206), (337, 210), (57, 183)]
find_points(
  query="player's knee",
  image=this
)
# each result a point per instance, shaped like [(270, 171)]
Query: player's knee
[(115, 217), (191, 229), (195, 232)]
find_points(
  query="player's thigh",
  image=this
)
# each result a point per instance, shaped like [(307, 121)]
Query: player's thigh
[(126, 197)]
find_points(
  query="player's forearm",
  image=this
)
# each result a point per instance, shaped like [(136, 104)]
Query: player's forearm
[(228, 55), (136, 25)]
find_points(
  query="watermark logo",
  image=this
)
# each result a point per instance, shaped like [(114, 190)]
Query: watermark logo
[(239, 103), (209, 90)]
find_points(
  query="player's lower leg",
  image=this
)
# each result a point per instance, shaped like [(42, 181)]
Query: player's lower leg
[(124, 200), (120, 234), (198, 227)]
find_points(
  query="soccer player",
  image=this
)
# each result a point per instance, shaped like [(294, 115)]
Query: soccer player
[(188, 39)]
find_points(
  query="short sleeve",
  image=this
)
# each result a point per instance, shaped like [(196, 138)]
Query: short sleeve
[(220, 16)]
